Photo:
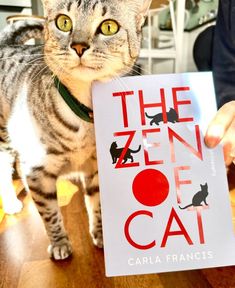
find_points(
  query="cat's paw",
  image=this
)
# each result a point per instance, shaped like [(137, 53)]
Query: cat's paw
[(97, 238), (60, 251), (13, 207)]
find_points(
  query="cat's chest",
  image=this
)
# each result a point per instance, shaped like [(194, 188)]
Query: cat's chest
[(82, 132), (84, 138), (84, 145), (30, 137)]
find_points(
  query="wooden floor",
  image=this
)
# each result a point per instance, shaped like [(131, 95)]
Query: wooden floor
[(24, 262)]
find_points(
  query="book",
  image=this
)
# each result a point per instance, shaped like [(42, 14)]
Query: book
[(164, 194)]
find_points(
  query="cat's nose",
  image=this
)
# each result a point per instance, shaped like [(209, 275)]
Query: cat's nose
[(80, 48)]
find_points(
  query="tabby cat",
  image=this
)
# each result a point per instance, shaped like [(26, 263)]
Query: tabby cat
[(84, 40)]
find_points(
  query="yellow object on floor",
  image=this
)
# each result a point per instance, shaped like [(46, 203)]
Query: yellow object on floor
[(1, 210), (65, 192)]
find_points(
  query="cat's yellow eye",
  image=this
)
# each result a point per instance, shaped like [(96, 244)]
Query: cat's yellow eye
[(64, 23), (109, 27)]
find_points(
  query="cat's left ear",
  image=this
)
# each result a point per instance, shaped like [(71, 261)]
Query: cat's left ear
[(46, 6), (145, 4)]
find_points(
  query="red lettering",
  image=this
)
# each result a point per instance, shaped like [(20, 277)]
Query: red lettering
[(173, 134), (177, 102), (143, 106), (179, 182), (127, 234), (150, 145), (200, 226), (120, 164), (182, 231), (124, 106), (199, 221)]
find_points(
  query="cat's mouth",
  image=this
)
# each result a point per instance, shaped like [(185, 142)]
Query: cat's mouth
[(83, 67)]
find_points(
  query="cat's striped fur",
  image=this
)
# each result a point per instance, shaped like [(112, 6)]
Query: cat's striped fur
[(36, 125)]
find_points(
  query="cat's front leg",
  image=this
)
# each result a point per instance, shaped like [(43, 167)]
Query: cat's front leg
[(42, 184), (10, 202), (90, 185), (205, 202), (92, 201)]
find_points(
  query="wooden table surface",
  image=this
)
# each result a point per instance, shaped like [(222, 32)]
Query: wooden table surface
[(24, 262)]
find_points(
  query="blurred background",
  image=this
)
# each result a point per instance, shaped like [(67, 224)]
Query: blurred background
[(169, 33)]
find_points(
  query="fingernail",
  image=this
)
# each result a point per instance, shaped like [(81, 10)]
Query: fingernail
[(214, 135), (232, 154), (212, 142)]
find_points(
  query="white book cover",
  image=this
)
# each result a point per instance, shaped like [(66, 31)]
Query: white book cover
[(164, 194)]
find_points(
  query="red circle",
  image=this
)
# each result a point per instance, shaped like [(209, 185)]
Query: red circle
[(150, 187)]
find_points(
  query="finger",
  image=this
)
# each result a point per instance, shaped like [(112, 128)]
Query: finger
[(228, 143), (220, 124), (228, 159)]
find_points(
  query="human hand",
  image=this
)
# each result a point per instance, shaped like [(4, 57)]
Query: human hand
[(222, 130)]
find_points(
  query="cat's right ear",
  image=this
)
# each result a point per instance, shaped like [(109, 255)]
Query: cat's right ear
[(46, 6), (145, 5)]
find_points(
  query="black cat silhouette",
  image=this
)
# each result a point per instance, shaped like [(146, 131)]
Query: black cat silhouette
[(116, 153), (199, 197), (172, 117)]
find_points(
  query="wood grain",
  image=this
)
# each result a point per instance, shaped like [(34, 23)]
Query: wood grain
[(24, 262)]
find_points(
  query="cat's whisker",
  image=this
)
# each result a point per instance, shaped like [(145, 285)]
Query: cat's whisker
[(122, 83), (35, 60), (16, 61), (112, 58), (40, 72), (25, 55), (57, 73), (33, 64), (49, 83), (108, 68), (144, 71), (136, 72), (20, 45)]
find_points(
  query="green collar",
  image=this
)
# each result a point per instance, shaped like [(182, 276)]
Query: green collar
[(82, 111)]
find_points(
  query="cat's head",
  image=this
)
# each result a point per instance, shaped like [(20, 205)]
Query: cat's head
[(204, 187), (172, 111), (93, 39)]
